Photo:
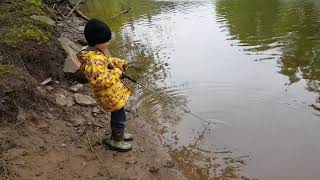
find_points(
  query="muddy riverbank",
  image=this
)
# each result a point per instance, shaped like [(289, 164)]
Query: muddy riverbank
[(47, 133)]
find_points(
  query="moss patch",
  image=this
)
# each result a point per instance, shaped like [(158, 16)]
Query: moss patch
[(25, 32), (37, 3)]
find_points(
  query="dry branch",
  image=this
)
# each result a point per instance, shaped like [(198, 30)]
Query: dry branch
[(91, 148), (74, 8)]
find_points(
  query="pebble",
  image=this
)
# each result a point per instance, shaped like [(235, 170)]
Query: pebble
[(49, 88), (77, 120), (45, 82), (131, 161), (76, 88), (154, 169), (96, 110)]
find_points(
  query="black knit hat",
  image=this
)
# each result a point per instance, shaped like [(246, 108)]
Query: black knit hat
[(97, 32)]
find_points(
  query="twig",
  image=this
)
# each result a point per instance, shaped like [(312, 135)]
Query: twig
[(122, 12), (81, 15), (74, 8), (91, 148)]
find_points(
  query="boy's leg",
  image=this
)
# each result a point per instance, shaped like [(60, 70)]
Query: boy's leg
[(118, 123)]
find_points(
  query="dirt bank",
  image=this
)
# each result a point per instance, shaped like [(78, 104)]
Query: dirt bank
[(44, 132)]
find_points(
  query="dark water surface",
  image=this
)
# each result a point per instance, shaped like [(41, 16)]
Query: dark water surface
[(254, 64)]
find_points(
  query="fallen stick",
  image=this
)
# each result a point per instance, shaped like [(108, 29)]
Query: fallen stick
[(81, 15), (74, 8), (122, 12), (91, 148)]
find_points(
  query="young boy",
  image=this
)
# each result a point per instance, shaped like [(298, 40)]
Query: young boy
[(104, 74)]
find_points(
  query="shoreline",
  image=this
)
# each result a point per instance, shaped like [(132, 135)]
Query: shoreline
[(64, 139)]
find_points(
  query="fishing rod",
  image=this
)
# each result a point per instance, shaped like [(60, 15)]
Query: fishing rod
[(174, 102)]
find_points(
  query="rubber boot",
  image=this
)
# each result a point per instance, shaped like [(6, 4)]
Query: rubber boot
[(117, 142), (127, 137)]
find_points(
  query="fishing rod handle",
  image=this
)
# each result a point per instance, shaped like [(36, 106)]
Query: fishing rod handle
[(130, 78)]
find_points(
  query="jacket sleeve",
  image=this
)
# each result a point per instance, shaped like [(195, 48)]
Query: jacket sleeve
[(119, 63), (99, 75)]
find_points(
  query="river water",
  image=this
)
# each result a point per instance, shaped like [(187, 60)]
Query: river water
[(253, 64)]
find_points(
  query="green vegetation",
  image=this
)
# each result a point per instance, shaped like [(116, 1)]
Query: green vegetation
[(25, 32), (16, 24), (37, 3)]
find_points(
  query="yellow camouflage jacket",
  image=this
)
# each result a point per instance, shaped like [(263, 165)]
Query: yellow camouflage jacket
[(111, 91)]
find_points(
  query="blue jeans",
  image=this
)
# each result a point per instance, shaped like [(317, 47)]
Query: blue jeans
[(118, 119)]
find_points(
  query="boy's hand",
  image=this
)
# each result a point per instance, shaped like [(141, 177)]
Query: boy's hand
[(125, 66)]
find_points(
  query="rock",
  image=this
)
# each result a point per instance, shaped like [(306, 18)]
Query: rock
[(77, 120), (61, 100), (142, 149), (43, 19), (47, 81), (75, 88), (63, 145), (72, 63), (84, 100), (154, 169), (169, 164), (57, 82)]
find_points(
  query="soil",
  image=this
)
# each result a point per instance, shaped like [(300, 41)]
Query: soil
[(42, 140)]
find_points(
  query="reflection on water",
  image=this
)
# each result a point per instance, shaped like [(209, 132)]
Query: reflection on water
[(291, 27), (251, 63)]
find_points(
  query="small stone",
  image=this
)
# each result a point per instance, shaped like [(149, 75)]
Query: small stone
[(84, 163), (70, 101), (77, 120), (84, 100), (81, 28), (61, 100), (75, 88), (68, 124), (45, 82), (154, 169), (96, 110), (94, 114), (131, 161), (63, 145), (141, 149), (43, 125), (42, 91), (100, 173), (57, 82), (169, 164), (49, 88)]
